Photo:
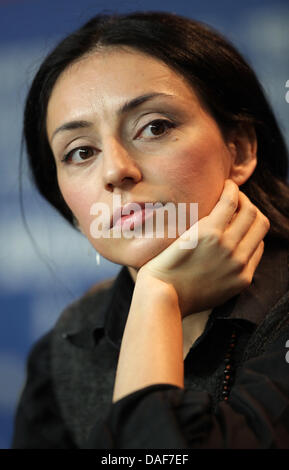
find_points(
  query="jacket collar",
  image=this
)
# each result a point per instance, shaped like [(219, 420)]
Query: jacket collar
[(270, 283)]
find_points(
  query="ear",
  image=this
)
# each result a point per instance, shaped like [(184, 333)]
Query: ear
[(242, 145)]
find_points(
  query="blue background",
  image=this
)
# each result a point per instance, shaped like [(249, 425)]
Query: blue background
[(37, 279)]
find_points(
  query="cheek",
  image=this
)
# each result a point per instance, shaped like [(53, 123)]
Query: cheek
[(79, 199), (199, 161), (197, 172)]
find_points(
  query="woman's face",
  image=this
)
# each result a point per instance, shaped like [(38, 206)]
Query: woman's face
[(99, 125)]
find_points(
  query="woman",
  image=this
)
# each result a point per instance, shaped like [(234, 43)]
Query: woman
[(186, 348)]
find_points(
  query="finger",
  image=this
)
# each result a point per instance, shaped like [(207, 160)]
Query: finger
[(241, 222), (246, 248), (249, 271), (225, 208)]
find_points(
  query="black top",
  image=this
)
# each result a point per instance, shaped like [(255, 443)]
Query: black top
[(236, 391)]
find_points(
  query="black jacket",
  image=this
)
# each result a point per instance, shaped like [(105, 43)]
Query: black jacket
[(236, 375)]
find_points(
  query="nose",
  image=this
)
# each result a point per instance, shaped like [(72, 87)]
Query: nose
[(119, 168)]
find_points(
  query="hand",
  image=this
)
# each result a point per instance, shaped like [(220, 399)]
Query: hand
[(230, 247)]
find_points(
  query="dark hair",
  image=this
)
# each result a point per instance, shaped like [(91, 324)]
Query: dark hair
[(222, 79)]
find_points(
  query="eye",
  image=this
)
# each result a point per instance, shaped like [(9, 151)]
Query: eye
[(79, 155), (156, 128)]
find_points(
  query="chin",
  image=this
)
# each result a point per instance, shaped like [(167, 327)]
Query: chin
[(136, 252)]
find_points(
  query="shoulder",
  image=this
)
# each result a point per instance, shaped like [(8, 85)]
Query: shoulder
[(39, 356), (78, 312), (87, 310), (273, 330)]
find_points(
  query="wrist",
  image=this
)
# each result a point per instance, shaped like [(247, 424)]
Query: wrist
[(151, 289)]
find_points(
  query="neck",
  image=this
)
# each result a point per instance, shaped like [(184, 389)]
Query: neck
[(133, 272)]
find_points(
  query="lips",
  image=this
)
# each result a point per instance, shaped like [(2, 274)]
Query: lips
[(127, 212)]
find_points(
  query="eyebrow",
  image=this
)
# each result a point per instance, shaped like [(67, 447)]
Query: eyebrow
[(125, 108)]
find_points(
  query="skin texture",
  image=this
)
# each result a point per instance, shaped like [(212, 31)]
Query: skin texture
[(188, 163)]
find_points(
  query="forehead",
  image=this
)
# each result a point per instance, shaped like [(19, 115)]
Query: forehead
[(106, 78)]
